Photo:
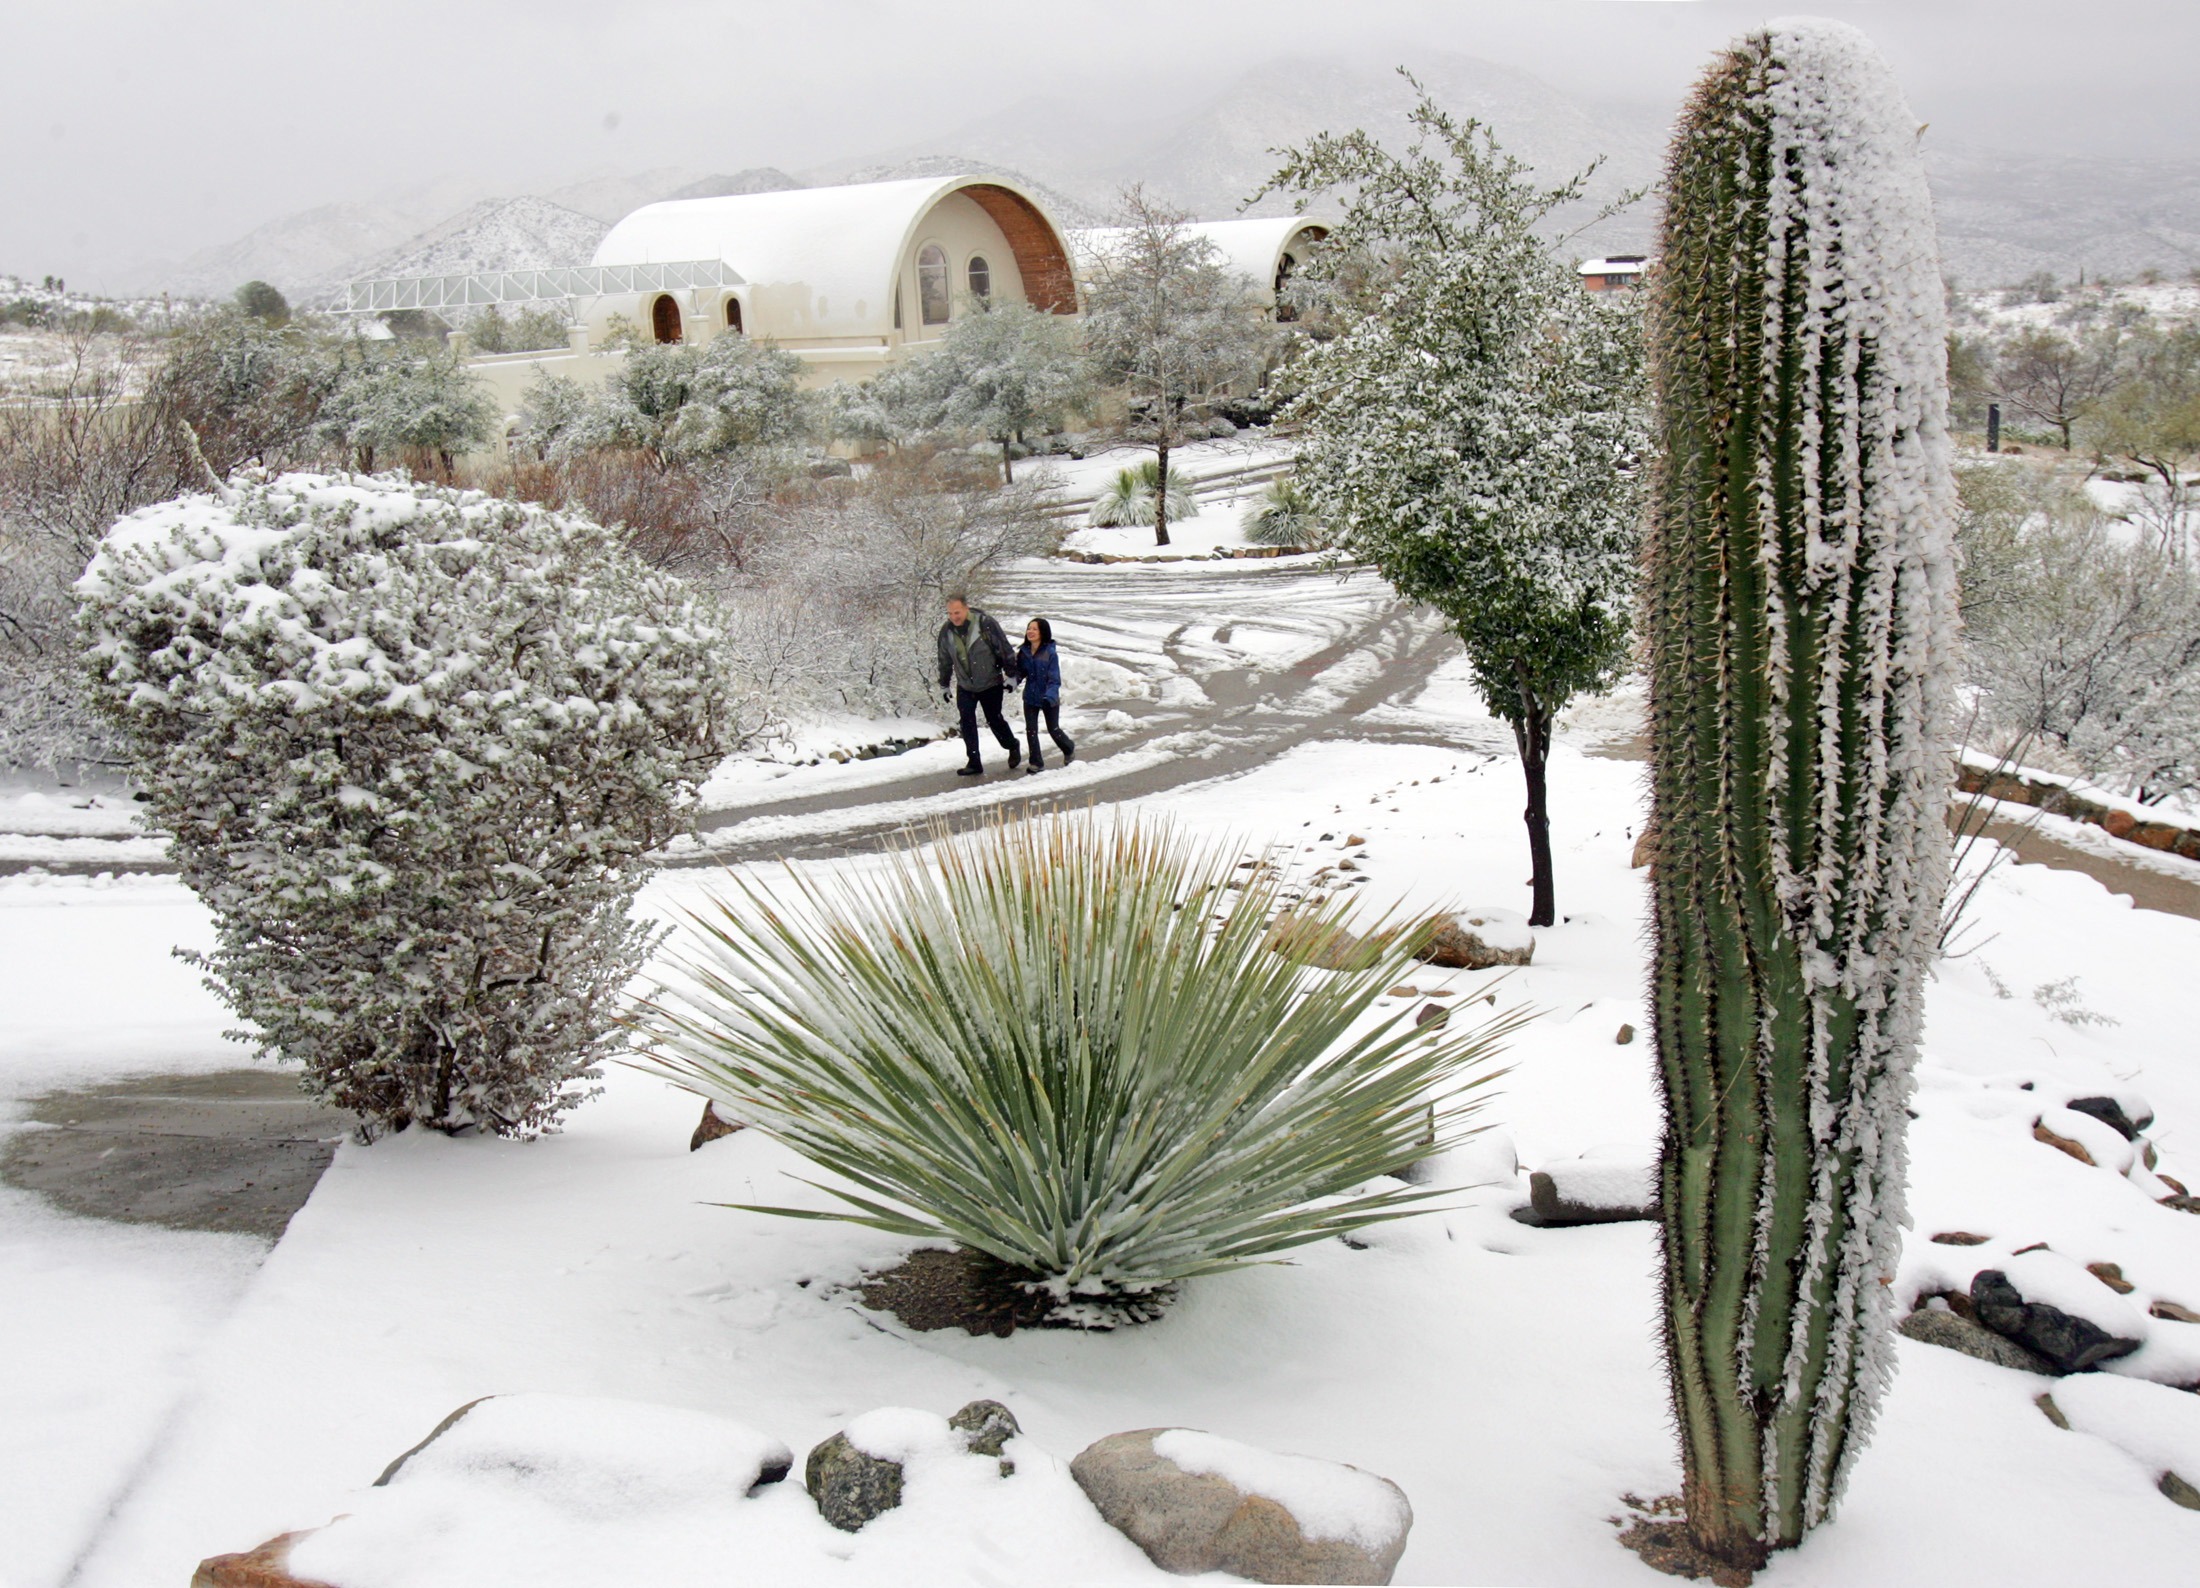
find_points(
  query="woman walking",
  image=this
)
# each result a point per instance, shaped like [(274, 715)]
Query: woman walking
[(1042, 674)]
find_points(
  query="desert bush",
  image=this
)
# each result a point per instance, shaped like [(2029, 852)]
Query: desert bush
[(528, 331), (2082, 639), (842, 585), (1040, 1041), (1129, 498), (70, 465), (249, 391), (413, 746), (1282, 516), (676, 403)]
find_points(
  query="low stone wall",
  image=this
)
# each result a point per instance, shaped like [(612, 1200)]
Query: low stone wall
[(2060, 800)]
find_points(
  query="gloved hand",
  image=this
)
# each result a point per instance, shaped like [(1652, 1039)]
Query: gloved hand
[(947, 697)]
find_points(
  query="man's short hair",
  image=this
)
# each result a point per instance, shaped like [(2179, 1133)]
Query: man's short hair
[(958, 596)]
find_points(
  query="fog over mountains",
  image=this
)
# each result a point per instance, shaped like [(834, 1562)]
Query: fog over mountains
[(2003, 215)]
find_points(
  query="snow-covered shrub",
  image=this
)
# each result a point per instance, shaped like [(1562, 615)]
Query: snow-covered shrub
[(2082, 642), (1128, 499), (840, 591), (676, 401), (1282, 516), (1038, 1040), (1799, 617), (414, 747), (406, 396)]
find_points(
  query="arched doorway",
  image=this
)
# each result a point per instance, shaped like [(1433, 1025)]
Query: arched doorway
[(664, 318), (733, 315)]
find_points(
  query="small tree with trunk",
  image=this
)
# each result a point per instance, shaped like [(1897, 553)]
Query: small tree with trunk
[(1799, 612), (404, 396), (2058, 380), (1475, 424), (1173, 327)]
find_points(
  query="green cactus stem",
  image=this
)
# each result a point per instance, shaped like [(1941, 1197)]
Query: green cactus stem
[(1799, 614)]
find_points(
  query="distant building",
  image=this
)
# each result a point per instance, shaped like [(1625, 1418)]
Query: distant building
[(1267, 253), (1619, 273), (848, 279)]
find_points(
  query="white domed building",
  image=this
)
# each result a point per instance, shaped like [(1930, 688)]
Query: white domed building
[(849, 279)]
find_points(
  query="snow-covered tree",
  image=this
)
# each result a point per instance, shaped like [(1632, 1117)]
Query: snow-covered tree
[(2081, 642), (1173, 327), (413, 746), (675, 402), (406, 396), (1475, 423), (1001, 370), (2151, 417), (249, 392), (1799, 619)]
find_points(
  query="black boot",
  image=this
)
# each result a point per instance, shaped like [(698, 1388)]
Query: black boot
[(1015, 757), (974, 769), (1037, 765)]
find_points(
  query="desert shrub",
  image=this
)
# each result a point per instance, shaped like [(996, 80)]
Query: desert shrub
[(1282, 516), (248, 391), (70, 465), (528, 331), (676, 403), (1042, 1041), (1129, 498), (414, 747), (2082, 640)]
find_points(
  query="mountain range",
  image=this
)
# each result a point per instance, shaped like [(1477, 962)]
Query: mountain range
[(2003, 215)]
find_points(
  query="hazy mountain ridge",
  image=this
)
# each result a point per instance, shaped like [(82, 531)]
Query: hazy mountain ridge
[(2003, 216), (525, 233)]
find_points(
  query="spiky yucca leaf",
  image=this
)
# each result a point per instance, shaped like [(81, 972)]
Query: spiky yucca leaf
[(1063, 1043), (1282, 516)]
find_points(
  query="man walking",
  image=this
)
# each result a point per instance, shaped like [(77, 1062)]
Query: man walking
[(975, 655)]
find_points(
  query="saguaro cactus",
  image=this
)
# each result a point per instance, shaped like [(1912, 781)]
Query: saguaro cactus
[(1799, 608)]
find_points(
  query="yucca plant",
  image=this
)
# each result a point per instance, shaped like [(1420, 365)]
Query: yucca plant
[(1799, 611), (1129, 498), (1063, 1043), (1282, 516)]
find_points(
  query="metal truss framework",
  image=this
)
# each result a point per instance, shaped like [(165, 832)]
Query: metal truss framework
[(438, 293)]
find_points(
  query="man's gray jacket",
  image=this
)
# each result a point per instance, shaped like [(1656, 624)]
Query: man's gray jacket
[(977, 656)]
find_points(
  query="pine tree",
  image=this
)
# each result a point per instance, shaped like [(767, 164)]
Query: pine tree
[(1799, 608)]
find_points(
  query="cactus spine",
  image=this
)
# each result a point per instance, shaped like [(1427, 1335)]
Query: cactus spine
[(1799, 598)]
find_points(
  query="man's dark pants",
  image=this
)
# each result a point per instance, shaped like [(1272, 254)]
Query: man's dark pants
[(969, 702)]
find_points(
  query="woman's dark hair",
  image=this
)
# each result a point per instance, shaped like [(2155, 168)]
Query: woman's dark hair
[(1046, 631)]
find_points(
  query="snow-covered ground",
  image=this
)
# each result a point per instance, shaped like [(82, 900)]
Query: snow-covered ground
[(1207, 468), (1505, 1376)]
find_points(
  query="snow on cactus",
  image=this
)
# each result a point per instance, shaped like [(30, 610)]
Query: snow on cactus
[(414, 746), (1799, 602)]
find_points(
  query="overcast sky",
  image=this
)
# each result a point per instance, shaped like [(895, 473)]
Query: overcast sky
[(138, 128)]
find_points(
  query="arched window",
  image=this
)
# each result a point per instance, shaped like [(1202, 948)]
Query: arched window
[(733, 315), (664, 318), (981, 278), (932, 283), (1285, 309)]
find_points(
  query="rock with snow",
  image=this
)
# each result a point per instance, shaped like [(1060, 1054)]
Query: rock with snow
[(1605, 1185), (858, 1475), (265, 1567), (2085, 1138), (1198, 1503), (1480, 939), (2156, 1426), (2058, 1311), (590, 1454), (1932, 1326), (2127, 1116)]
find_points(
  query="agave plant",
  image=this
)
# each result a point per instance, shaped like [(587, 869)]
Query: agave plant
[(1129, 498), (1282, 516), (1065, 1044)]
